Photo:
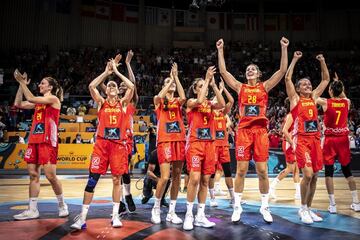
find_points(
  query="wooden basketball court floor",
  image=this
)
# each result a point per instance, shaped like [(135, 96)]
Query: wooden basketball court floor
[(286, 225)]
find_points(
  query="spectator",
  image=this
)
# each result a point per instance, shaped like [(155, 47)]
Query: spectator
[(82, 110), (151, 179), (71, 111), (78, 139), (20, 138), (274, 139)]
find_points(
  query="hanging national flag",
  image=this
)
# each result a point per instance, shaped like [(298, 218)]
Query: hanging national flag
[(132, 14), (239, 22), (192, 19), (213, 21), (252, 22), (283, 22), (117, 12), (151, 16), (298, 23), (164, 17), (179, 18), (271, 23), (102, 10), (88, 8)]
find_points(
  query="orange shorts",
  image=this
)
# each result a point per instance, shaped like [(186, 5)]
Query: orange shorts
[(252, 143), (308, 152), (336, 146), (200, 157), (170, 151), (222, 154), (41, 153), (288, 152), (107, 153)]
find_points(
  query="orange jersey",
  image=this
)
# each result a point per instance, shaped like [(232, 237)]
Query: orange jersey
[(221, 133), (335, 117), (201, 123), (44, 127), (252, 105), (170, 122), (111, 125), (305, 117)]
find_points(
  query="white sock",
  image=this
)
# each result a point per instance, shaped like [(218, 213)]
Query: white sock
[(33, 204), (116, 206), (274, 183), (212, 193), (126, 189), (189, 208), (60, 199), (264, 200), (84, 211), (172, 206), (231, 191), (332, 199), (297, 188), (355, 196), (201, 209), (217, 186), (157, 203), (237, 199), (304, 207)]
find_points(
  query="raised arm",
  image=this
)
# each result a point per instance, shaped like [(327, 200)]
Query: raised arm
[(117, 60), (179, 88), (130, 86), (162, 93), (220, 103), (230, 99), (98, 80), (279, 74), (128, 83), (228, 77), (290, 88), (50, 99), (129, 56), (19, 103), (201, 96), (325, 78), (289, 120)]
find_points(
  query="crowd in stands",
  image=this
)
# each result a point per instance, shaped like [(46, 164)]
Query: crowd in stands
[(75, 68)]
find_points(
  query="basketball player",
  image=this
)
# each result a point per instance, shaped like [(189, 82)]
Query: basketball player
[(336, 143), (252, 138), (306, 132), (289, 152), (109, 148), (200, 148), (129, 110), (222, 122), (42, 149), (170, 143)]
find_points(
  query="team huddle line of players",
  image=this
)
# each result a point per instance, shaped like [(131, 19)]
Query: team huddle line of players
[(205, 147)]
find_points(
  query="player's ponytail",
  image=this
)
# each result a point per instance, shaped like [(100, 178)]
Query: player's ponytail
[(57, 89)]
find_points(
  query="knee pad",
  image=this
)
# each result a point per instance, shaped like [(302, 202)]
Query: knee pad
[(227, 169), (346, 170), (92, 181), (126, 178), (329, 170)]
